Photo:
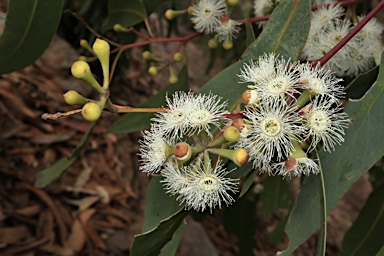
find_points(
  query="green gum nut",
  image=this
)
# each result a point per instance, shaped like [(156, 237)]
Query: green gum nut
[(80, 69), (91, 111), (102, 50)]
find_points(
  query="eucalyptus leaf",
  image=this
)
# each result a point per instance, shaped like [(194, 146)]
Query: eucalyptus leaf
[(361, 84), (276, 194), (46, 176), (286, 31), (248, 183), (125, 13), (133, 122), (365, 235), (152, 242), (341, 168), (29, 28)]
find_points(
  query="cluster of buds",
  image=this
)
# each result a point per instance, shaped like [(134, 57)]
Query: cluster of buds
[(211, 16), (91, 109), (154, 70), (180, 145), (290, 109)]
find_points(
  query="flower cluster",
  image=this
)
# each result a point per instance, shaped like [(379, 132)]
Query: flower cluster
[(329, 27), (179, 144), (290, 108), (211, 16)]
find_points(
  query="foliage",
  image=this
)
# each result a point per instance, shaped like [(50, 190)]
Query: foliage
[(285, 35)]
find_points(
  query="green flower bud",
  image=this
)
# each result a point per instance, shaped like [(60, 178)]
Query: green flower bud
[(233, 2), (91, 111), (147, 55), (80, 69), (173, 79), (84, 43), (227, 44), (153, 71), (101, 49), (177, 57), (213, 43), (232, 134), (119, 28), (74, 98)]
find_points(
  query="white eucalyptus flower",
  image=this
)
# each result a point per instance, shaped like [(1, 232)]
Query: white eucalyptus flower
[(175, 177), (154, 150), (254, 72), (207, 187), (227, 29), (207, 14), (320, 81), (268, 131), (325, 122), (204, 111)]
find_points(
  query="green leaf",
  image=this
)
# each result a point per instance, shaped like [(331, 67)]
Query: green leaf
[(46, 176), (361, 84), (248, 182), (159, 207), (239, 219), (361, 149), (29, 28), (286, 31), (365, 235), (381, 252), (133, 122), (151, 242), (152, 5), (276, 194), (250, 34), (125, 13)]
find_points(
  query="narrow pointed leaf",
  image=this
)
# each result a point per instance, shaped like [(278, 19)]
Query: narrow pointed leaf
[(322, 239), (46, 176), (361, 84), (362, 148), (365, 237), (152, 242), (286, 31), (125, 13), (29, 28)]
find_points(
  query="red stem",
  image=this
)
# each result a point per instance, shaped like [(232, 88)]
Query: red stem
[(351, 34)]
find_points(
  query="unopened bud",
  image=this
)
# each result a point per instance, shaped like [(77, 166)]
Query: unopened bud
[(80, 69), (153, 71), (91, 111), (173, 79), (241, 157), (250, 97), (232, 134), (290, 164), (227, 44), (101, 49), (119, 28), (213, 43), (177, 57), (306, 109), (233, 2), (182, 151), (74, 98), (239, 124), (84, 43)]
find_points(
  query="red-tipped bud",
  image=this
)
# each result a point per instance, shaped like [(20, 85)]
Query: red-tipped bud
[(290, 164), (241, 156), (182, 151)]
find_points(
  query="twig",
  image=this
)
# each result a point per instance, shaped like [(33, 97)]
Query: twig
[(56, 116)]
